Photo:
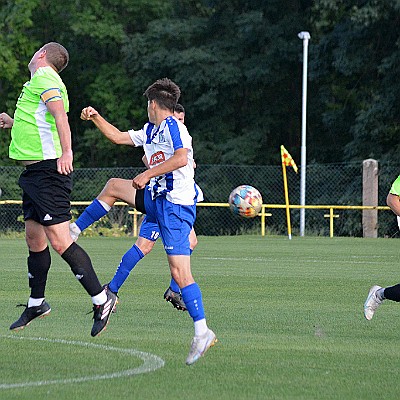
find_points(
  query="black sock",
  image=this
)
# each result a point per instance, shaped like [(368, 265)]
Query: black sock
[(392, 293), (38, 268), (81, 266)]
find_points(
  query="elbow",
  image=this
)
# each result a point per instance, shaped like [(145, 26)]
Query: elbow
[(117, 139), (183, 159), (180, 158), (389, 200), (392, 201), (183, 162)]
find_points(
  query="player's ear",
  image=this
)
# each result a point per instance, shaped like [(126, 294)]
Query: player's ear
[(43, 53)]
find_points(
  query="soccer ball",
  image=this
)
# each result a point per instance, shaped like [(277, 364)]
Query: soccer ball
[(246, 201)]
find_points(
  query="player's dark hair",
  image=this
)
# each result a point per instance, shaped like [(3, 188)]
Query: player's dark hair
[(56, 55), (179, 108), (164, 92)]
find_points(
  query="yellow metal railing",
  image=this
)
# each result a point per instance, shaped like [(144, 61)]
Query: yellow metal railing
[(263, 214), (330, 208)]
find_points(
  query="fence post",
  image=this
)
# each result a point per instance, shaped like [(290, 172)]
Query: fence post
[(370, 198)]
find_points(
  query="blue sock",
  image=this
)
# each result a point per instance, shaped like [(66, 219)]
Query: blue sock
[(128, 262), (174, 286), (191, 295), (92, 213)]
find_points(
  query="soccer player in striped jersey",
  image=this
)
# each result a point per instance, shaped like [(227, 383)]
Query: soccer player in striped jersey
[(41, 140), (170, 198), (148, 235)]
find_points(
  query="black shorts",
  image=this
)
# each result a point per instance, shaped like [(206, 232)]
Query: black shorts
[(46, 193), (139, 200)]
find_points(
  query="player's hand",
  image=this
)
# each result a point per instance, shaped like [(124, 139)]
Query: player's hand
[(64, 163), (6, 121), (140, 181), (88, 113)]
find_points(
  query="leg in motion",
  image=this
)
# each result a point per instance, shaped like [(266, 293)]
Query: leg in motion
[(374, 300), (173, 293), (115, 189), (38, 266), (377, 295), (204, 337), (144, 244), (81, 266)]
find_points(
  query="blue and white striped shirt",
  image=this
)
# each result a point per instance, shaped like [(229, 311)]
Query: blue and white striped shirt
[(159, 144)]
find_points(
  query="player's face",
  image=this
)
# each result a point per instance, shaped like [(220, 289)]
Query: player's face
[(180, 116), (34, 60)]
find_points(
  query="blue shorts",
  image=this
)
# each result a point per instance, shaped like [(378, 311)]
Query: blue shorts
[(175, 222), (149, 230)]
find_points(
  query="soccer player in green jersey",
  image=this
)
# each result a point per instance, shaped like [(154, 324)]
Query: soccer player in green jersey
[(377, 293), (41, 140)]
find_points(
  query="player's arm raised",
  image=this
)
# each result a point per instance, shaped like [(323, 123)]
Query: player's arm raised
[(111, 132)]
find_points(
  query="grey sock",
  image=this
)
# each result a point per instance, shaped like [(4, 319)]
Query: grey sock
[(379, 294)]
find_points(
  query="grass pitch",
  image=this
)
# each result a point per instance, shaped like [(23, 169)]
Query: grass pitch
[(288, 316)]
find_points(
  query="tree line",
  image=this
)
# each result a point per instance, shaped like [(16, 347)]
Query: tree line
[(238, 64)]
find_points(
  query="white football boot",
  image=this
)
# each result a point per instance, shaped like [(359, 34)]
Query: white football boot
[(200, 344), (74, 231), (372, 302)]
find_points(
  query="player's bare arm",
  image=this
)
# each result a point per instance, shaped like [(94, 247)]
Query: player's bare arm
[(112, 133), (6, 121), (145, 162), (393, 201), (57, 110), (178, 160)]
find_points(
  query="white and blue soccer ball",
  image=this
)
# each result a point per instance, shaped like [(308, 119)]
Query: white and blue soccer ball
[(246, 201)]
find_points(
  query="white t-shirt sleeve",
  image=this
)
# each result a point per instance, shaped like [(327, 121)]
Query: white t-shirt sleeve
[(200, 195), (138, 137)]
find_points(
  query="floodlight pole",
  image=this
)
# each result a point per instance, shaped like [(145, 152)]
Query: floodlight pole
[(305, 37)]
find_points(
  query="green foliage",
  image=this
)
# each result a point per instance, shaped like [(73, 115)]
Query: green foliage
[(238, 64), (356, 67), (227, 68), (16, 50)]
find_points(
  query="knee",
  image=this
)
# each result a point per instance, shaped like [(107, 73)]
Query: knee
[(110, 187), (57, 247), (35, 243), (60, 245)]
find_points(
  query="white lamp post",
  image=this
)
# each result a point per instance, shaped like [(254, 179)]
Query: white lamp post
[(305, 37)]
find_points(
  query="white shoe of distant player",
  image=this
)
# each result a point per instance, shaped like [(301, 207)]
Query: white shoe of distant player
[(372, 302), (74, 231), (200, 344)]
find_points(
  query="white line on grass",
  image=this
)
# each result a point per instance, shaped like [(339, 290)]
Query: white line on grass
[(150, 363), (359, 260)]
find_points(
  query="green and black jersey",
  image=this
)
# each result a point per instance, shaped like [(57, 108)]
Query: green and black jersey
[(34, 133)]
